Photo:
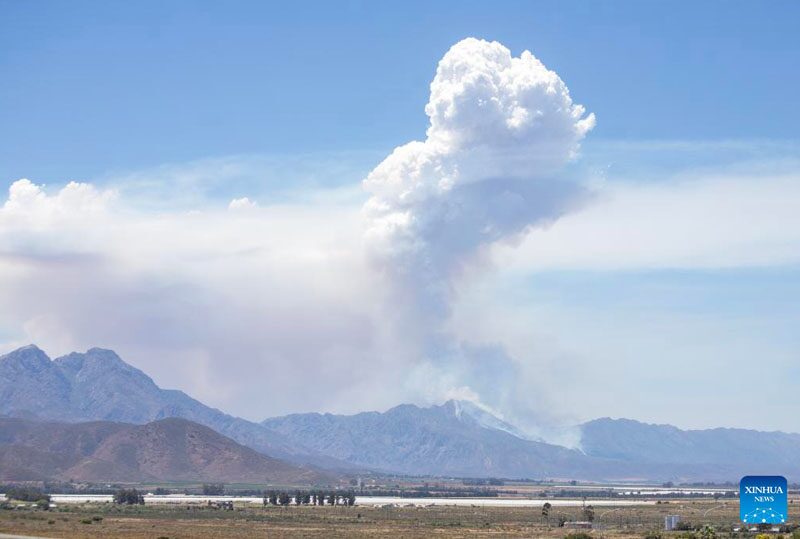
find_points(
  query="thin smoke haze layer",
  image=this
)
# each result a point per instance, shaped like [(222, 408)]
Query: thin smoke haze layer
[(501, 130)]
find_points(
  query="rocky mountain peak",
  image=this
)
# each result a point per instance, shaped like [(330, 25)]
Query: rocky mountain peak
[(30, 358), (99, 385), (99, 363)]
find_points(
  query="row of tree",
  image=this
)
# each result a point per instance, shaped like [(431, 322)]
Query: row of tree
[(28, 494), (273, 497), (127, 496), (213, 489)]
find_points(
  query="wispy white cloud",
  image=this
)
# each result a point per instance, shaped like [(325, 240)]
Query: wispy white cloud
[(28, 203), (274, 178), (280, 292), (239, 204), (706, 219)]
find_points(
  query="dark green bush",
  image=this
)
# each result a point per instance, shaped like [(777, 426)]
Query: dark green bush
[(128, 497), (27, 494)]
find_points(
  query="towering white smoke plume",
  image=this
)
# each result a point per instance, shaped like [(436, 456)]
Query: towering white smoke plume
[(501, 128)]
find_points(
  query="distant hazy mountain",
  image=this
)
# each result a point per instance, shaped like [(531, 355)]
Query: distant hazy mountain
[(461, 439), (456, 439), (730, 452), (98, 385), (165, 450)]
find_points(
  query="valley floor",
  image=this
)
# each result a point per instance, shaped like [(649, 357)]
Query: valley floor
[(91, 521)]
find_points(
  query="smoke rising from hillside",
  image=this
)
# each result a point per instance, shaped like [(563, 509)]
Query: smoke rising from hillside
[(501, 130)]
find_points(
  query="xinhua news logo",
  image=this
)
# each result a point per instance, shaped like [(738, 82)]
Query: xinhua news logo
[(763, 499)]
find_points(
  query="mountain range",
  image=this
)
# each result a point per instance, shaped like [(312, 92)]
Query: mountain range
[(456, 439), (99, 386), (719, 452), (453, 439)]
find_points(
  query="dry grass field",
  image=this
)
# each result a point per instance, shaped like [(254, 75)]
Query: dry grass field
[(182, 522)]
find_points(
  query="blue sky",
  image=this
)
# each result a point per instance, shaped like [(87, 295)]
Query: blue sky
[(674, 283), (101, 86)]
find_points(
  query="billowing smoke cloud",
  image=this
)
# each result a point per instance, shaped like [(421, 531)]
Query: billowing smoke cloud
[(243, 280), (280, 290), (501, 130)]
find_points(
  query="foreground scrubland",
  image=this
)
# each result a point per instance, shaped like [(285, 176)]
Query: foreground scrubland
[(189, 522)]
